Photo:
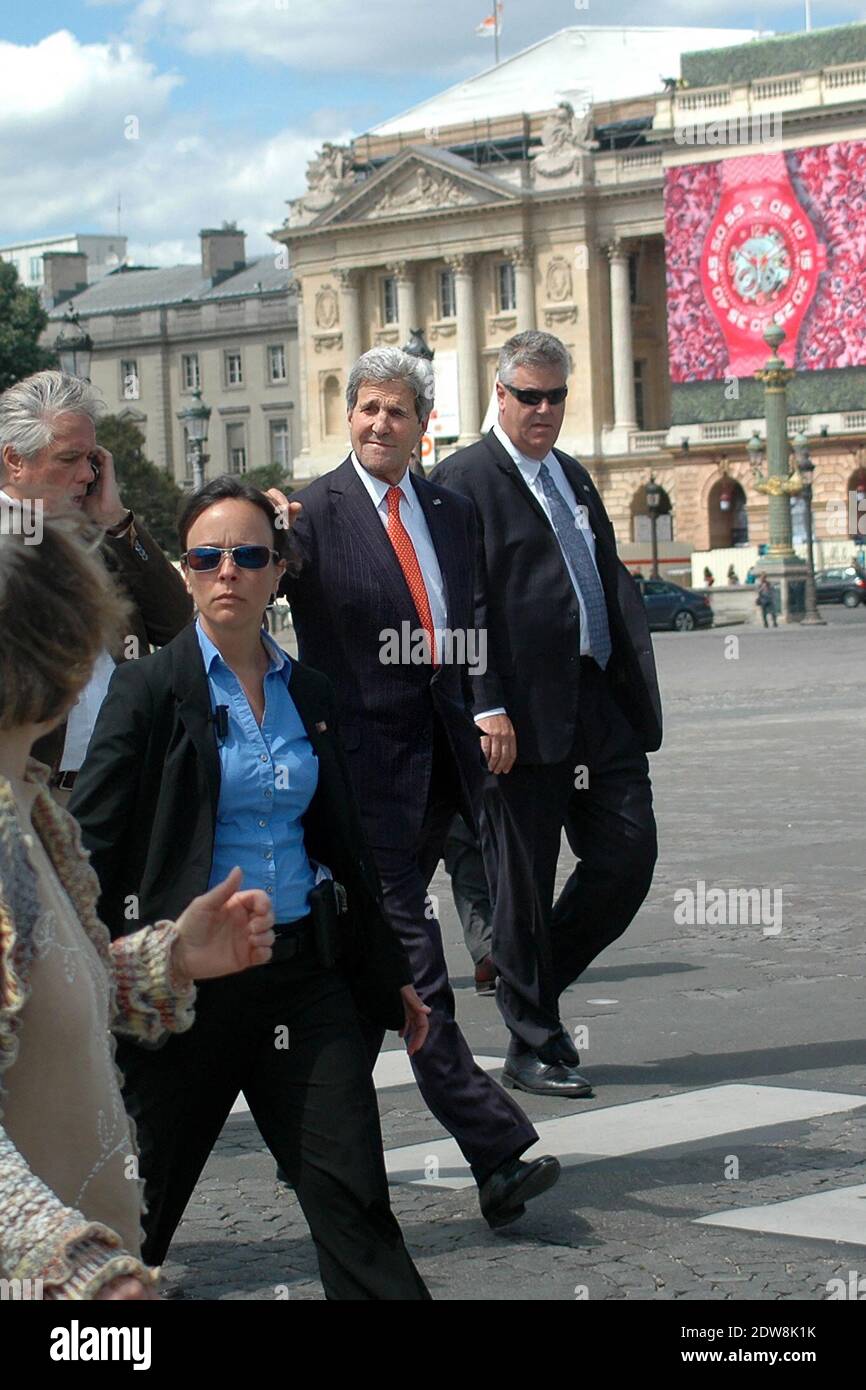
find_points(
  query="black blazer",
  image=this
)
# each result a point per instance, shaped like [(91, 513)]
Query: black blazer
[(349, 592), (146, 799), (526, 601)]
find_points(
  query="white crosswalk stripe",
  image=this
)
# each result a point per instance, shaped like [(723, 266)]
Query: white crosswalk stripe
[(836, 1215), (614, 1131)]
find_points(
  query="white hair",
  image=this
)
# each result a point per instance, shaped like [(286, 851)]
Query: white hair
[(533, 349), (29, 409), (392, 364)]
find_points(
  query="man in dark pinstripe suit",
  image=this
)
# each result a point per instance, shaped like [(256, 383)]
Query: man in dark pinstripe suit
[(383, 604)]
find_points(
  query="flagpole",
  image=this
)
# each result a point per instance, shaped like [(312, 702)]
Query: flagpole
[(496, 30)]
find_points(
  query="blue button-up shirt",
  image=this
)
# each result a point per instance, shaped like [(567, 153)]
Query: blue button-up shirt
[(268, 778)]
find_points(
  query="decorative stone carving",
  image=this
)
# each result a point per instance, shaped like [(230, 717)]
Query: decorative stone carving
[(329, 176), (460, 263), (564, 138), (428, 192), (328, 342), (521, 255), (327, 308), (559, 282), (566, 314)]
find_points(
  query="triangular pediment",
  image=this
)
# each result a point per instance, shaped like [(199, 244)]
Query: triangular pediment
[(416, 183)]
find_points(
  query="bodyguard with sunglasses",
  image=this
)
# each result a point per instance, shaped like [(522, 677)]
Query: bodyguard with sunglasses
[(219, 750), (569, 707)]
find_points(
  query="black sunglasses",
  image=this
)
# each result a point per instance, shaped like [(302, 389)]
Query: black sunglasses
[(536, 397), (246, 557)]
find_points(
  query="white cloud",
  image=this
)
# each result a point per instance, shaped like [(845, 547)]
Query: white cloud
[(67, 111)]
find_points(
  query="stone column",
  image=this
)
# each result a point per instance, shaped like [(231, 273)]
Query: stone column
[(350, 316), (524, 277), (305, 405), (621, 339), (407, 306), (467, 348)]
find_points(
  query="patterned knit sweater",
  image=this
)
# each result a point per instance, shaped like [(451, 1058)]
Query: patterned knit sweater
[(40, 1237)]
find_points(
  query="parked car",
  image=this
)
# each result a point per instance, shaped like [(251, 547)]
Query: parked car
[(840, 585), (671, 606)]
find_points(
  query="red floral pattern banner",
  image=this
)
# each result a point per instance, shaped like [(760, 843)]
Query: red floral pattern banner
[(829, 181)]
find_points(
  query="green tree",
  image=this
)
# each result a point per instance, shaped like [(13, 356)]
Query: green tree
[(147, 490), (22, 320), (269, 475)]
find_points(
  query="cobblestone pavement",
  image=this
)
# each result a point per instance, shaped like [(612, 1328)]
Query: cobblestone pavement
[(758, 785)]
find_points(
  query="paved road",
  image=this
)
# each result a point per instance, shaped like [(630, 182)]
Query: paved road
[(723, 1154)]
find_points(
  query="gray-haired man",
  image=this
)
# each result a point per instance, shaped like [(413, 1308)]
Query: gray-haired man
[(383, 604), (50, 460), (568, 706)]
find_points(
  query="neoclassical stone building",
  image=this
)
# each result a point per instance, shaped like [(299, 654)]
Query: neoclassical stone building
[(534, 196)]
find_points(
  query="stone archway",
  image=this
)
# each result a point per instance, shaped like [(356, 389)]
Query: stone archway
[(727, 514), (333, 415)]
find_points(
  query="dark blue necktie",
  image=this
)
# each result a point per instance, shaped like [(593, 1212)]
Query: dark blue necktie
[(573, 543)]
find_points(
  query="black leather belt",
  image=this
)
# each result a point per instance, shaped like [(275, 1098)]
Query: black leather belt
[(64, 780), (293, 938)]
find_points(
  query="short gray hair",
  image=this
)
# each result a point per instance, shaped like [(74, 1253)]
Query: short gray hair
[(533, 349), (392, 364), (29, 409)]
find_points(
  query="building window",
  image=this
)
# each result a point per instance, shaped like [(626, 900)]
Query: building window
[(639, 412), (276, 362), (36, 269), (389, 299), (190, 373), (281, 446), (632, 277), (506, 287), (236, 448), (447, 295), (130, 389), (234, 372)]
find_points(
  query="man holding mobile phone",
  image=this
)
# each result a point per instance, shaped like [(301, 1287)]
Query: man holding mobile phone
[(49, 457)]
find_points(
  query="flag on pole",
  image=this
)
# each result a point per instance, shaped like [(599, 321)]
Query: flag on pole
[(491, 27)]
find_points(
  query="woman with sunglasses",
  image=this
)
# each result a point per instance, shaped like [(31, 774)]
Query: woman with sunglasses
[(216, 750)]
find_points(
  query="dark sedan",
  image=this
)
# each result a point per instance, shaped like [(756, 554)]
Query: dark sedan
[(671, 606), (840, 585)]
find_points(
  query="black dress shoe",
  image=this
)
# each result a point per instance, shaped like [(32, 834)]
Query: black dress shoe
[(512, 1184), (524, 1071)]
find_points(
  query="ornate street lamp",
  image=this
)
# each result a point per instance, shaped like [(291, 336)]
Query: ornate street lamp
[(74, 347), (196, 418), (653, 494), (806, 470)]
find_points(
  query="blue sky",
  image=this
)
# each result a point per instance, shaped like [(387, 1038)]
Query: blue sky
[(234, 96)]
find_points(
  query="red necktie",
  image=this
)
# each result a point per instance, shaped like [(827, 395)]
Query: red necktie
[(405, 551)]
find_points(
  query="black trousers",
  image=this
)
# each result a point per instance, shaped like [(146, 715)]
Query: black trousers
[(488, 1125), (539, 946), (464, 864), (313, 1101)]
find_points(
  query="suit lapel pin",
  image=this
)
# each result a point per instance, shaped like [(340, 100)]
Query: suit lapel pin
[(321, 727), (437, 501)]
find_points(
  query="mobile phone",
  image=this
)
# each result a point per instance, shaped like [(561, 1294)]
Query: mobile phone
[(91, 487)]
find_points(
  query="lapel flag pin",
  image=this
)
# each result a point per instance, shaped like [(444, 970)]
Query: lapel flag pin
[(321, 727), (437, 501)]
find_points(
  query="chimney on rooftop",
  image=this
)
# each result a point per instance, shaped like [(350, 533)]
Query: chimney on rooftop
[(64, 274), (223, 252)]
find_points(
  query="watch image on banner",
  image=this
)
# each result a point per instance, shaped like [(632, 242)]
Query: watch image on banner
[(753, 239)]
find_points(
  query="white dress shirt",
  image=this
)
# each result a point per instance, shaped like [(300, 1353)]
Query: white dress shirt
[(415, 522), (82, 717)]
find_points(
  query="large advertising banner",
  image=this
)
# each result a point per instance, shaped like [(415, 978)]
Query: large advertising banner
[(776, 236)]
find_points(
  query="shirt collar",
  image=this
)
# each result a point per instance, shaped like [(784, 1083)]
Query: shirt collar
[(378, 488), (280, 661), (529, 467)]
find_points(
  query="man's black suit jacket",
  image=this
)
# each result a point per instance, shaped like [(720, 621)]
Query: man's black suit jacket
[(526, 601), (146, 799), (349, 592)]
